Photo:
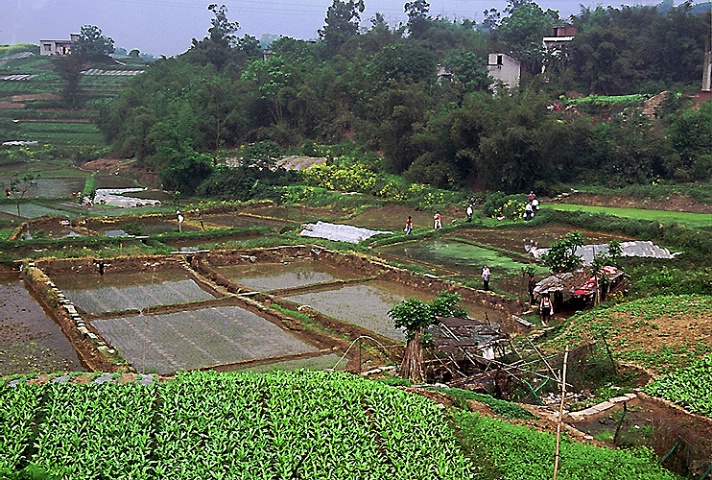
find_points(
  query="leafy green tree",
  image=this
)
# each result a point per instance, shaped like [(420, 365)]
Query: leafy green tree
[(217, 47), (414, 316), (469, 71), (523, 30), (184, 168), (251, 47), (341, 22), (418, 17), (399, 110), (690, 135), (627, 150), (91, 45), (561, 256), (491, 21), (21, 185)]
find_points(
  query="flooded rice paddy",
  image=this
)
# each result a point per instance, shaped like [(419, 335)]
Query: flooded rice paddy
[(363, 305), (30, 341), (199, 338), (95, 293), (265, 277)]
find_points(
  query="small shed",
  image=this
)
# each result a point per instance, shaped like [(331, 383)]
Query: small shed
[(465, 338)]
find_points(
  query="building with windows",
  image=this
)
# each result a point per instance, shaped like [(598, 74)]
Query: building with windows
[(504, 69), (58, 47)]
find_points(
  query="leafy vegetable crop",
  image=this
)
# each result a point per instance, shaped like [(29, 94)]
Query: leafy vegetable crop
[(208, 425), (278, 426), (690, 387), (516, 452)]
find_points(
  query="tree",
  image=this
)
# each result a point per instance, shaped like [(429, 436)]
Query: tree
[(523, 30), (418, 17), (415, 316), (20, 185), (216, 47), (91, 45), (69, 68), (341, 22), (561, 256), (184, 168)]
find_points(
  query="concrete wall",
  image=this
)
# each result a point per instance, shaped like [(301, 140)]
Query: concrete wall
[(504, 68)]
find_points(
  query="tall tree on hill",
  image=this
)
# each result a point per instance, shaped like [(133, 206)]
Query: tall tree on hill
[(523, 30), (418, 17), (92, 45), (217, 47), (69, 68), (341, 22)]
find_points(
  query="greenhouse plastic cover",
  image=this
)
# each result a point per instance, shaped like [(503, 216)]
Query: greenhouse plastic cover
[(114, 197), (338, 233), (638, 248)]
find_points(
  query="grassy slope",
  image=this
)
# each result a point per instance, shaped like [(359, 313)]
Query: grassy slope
[(661, 333), (695, 220)]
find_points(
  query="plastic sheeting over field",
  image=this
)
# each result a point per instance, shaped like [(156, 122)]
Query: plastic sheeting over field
[(338, 233), (636, 248), (114, 197)]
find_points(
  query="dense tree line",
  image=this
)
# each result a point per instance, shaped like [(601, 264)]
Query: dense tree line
[(377, 86)]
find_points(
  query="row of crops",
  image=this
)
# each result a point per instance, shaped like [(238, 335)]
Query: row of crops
[(207, 425), (277, 426), (690, 387)]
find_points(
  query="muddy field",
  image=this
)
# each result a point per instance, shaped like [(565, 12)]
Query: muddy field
[(30, 340)]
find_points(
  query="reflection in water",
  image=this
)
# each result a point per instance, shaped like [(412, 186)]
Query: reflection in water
[(267, 277)]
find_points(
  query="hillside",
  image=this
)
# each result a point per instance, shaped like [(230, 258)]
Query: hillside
[(34, 108)]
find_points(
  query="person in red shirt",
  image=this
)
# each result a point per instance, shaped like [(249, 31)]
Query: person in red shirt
[(408, 225), (438, 222)]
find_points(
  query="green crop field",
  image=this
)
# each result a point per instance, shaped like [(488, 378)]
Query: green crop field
[(690, 387), (278, 426), (694, 220)]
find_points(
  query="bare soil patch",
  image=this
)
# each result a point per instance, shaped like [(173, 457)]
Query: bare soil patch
[(681, 333), (35, 96), (126, 168), (5, 105)]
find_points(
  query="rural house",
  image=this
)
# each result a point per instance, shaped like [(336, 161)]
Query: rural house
[(57, 47), (504, 69), (554, 44)]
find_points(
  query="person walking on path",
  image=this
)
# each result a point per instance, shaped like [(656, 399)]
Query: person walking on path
[(546, 309), (438, 221), (408, 225), (486, 277), (528, 211), (469, 212), (532, 196)]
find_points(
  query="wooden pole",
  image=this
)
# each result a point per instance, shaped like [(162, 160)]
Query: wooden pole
[(561, 413)]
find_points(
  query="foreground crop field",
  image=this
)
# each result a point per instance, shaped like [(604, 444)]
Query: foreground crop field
[(277, 426), (236, 426)]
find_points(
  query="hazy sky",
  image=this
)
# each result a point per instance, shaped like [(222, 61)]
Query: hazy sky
[(166, 27)]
